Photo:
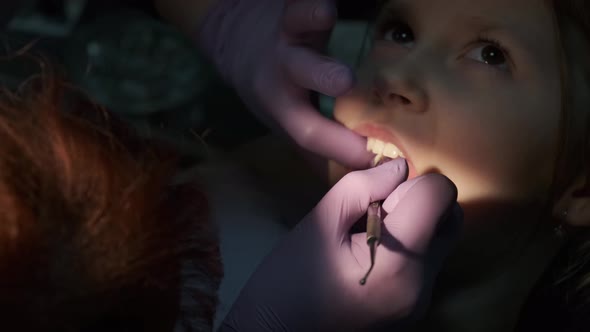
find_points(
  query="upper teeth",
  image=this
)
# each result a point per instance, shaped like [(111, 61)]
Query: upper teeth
[(381, 148)]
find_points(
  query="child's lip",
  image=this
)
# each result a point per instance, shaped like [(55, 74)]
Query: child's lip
[(382, 134), (385, 135)]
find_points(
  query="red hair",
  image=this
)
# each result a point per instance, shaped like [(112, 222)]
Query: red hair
[(93, 234)]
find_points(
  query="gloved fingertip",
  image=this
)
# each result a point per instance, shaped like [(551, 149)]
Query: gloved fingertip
[(345, 77), (391, 202), (397, 166), (435, 185), (339, 80), (352, 155), (364, 161)]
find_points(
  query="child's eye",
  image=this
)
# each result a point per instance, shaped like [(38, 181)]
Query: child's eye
[(491, 54), (399, 33)]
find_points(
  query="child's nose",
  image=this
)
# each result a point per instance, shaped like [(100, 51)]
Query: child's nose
[(397, 90)]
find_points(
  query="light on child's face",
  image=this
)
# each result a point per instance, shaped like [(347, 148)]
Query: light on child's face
[(464, 88)]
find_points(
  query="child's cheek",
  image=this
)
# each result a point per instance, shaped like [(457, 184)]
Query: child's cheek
[(349, 110), (386, 51)]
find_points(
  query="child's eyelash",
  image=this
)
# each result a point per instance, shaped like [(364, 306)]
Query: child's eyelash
[(483, 39), (387, 20)]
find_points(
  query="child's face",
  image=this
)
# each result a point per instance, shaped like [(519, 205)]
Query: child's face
[(467, 88)]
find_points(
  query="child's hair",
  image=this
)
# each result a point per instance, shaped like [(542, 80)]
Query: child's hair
[(574, 158), (93, 234)]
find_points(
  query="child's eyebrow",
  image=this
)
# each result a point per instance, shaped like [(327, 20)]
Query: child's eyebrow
[(395, 8), (523, 38), (511, 33)]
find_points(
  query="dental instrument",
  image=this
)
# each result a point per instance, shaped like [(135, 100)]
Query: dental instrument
[(373, 225)]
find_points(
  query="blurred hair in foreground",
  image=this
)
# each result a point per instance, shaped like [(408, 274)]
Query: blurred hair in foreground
[(94, 235)]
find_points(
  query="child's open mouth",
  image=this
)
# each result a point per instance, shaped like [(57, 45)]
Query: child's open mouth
[(379, 142), (379, 147), (389, 151)]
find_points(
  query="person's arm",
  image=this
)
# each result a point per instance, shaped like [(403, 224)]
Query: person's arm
[(274, 76), (185, 14)]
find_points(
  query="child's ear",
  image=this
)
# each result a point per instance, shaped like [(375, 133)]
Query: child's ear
[(573, 207)]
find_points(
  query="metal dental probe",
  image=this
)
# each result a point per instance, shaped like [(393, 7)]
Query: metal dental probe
[(373, 225)]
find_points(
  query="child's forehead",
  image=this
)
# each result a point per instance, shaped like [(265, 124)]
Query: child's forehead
[(525, 22), (497, 11)]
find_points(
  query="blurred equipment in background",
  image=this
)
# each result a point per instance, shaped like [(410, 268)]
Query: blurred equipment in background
[(144, 70), (56, 18)]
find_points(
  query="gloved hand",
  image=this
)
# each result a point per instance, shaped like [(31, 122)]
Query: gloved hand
[(268, 50), (311, 281)]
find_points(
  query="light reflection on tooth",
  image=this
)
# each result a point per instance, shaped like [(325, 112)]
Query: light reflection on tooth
[(393, 154), (390, 151)]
